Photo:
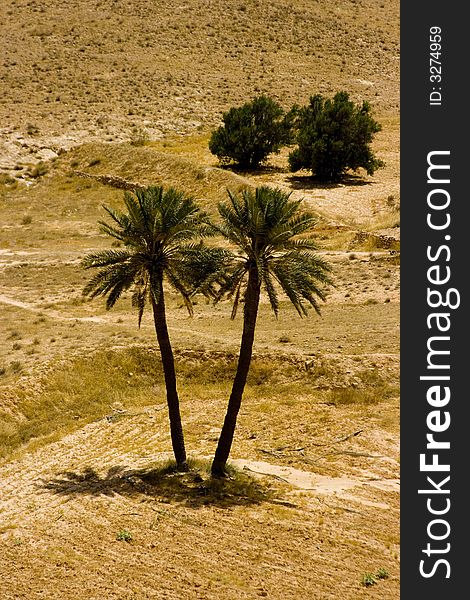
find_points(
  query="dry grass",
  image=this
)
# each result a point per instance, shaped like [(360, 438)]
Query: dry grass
[(116, 384)]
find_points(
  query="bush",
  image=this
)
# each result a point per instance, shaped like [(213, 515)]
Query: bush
[(368, 579), (38, 170), (251, 132), (124, 536), (139, 137), (333, 136)]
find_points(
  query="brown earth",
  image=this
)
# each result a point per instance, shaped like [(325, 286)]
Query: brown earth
[(72, 72), (331, 514)]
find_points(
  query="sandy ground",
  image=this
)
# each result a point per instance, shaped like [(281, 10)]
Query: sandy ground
[(63, 506)]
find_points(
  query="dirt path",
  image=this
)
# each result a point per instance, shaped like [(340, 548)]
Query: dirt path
[(51, 313), (309, 482)]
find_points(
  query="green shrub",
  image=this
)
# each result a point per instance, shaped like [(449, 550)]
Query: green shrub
[(251, 132), (124, 536), (382, 573), (333, 136), (368, 579)]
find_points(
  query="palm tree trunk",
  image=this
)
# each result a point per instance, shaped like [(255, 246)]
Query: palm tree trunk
[(163, 338), (244, 359)]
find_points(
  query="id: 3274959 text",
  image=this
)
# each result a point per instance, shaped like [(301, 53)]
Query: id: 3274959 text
[(435, 65)]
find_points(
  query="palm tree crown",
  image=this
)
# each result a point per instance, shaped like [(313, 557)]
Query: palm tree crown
[(156, 231), (273, 237)]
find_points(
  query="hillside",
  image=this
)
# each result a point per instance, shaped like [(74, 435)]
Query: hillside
[(73, 72)]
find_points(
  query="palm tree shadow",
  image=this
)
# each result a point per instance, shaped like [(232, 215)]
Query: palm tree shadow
[(163, 484)]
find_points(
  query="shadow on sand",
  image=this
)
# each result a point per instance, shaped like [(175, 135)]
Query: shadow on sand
[(264, 169), (165, 484)]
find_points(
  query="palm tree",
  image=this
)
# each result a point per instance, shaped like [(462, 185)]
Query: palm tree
[(266, 228), (156, 232)]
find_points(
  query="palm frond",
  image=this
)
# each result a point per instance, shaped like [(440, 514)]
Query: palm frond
[(272, 295), (120, 218), (307, 243), (178, 284), (137, 210), (203, 269), (302, 276), (275, 237), (233, 235), (110, 281), (94, 286), (105, 258), (236, 300), (288, 284), (116, 286), (285, 231), (139, 296), (304, 260), (155, 226)]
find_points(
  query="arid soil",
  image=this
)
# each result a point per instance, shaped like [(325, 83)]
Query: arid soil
[(97, 94), (74, 72)]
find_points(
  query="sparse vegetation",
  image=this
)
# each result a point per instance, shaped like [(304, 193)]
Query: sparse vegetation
[(368, 579), (16, 366), (124, 536), (32, 129), (38, 170), (140, 136), (350, 395), (6, 179), (68, 398), (84, 436), (382, 573)]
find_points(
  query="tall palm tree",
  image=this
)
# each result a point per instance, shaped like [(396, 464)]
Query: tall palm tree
[(274, 249), (156, 232)]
